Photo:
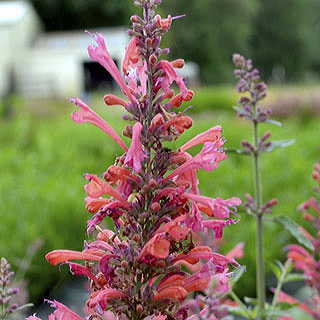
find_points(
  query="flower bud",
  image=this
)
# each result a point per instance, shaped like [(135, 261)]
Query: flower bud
[(155, 206), (153, 59), (136, 19), (238, 60), (179, 63), (139, 308), (136, 238), (127, 131), (165, 51), (153, 183)]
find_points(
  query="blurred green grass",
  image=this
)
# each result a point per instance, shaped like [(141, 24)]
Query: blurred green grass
[(43, 158)]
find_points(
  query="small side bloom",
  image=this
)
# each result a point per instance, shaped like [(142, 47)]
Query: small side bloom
[(85, 114), (135, 154)]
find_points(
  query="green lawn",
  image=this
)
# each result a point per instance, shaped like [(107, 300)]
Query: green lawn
[(41, 185)]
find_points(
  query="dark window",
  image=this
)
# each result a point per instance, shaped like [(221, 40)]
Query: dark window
[(96, 77)]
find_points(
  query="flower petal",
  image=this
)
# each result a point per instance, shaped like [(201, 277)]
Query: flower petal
[(85, 114)]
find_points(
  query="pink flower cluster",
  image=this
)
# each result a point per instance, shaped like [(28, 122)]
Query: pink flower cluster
[(153, 260), (306, 261)]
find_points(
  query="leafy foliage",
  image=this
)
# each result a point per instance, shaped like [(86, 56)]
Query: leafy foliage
[(217, 30), (278, 44)]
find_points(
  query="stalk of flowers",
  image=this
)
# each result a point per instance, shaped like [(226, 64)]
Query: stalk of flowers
[(305, 260), (153, 260), (253, 91), (7, 292)]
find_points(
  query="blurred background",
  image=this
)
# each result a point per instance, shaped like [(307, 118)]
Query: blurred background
[(43, 155)]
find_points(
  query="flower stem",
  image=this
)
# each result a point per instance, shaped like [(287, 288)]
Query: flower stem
[(240, 303), (260, 273)]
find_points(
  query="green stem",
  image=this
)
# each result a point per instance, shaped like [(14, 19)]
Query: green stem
[(261, 286), (241, 304), (280, 284)]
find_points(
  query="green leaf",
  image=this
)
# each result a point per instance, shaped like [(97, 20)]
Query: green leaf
[(280, 144), (238, 311), (295, 231), (277, 123), (237, 274), (276, 270), (253, 301), (294, 277)]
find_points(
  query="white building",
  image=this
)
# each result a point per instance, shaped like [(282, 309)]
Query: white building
[(19, 28), (37, 64)]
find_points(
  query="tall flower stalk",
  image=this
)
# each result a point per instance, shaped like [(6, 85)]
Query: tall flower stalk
[(8, 307), (254, 90), (153, 260)]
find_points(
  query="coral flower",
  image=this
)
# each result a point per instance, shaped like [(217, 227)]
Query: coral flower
[(212, 135), (85, 114), (135, 154), (218, 208), (101, 54), (61, 313), (156, 247), (60, 256)]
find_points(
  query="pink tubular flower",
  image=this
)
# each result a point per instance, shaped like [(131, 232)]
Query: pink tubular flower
[(177, 100), (194, 256), (170, 77), (116, 175), (93, 205), (85, 114), (218, 208), (112, 100), (61, 313), (135, 154), (236, 252), (97, 188), (174, 293), (131, 57), (175, 229), (204, 252), (156, 248), (208, 159), (163, 23), (212, 135), (80, 270), (159, 317), (283, 297), (102, 297), (217, 226), (101, 55), (199, 281), (60, 256)]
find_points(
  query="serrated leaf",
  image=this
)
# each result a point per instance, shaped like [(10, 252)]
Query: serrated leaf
[(294, 277), (237, 274), (280, 144), (295, 231), (276, 270), (277, 123)]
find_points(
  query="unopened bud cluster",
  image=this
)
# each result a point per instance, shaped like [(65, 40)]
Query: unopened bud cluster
[(255, 89), (7, 293)]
